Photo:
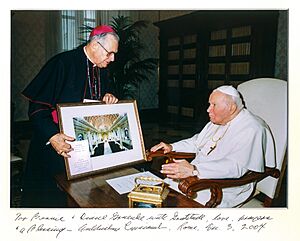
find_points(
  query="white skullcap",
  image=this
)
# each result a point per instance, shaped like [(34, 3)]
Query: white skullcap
[(229, 90)]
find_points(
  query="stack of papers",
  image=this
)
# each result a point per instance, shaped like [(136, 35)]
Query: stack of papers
[(125, 184)]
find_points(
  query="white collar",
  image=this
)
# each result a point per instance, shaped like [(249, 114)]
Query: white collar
[(84, 49)]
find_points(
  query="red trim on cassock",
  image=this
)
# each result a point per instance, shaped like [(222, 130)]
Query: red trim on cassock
[(36, 101), (53, 113), (54, 116), (37, 111)]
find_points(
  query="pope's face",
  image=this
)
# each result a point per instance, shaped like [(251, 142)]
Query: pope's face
[(105, 52), (219, 108)]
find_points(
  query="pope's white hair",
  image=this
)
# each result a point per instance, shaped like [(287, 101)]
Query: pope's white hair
[(238, 101)]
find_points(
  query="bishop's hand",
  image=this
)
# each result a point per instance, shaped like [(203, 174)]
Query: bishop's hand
[(110, 99), (58, 142)]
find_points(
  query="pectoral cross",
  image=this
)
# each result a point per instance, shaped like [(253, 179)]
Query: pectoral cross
[(212, 148)]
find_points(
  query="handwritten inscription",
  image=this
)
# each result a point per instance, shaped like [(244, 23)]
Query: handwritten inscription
[(87, 228), (39, 217), (189, 216), (254, 218), (178, 221), (186, 226), (132, 227)]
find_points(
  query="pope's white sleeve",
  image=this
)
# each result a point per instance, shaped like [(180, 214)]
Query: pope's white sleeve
[(186, 145), (245, 154), (222, 168), (190, 144)]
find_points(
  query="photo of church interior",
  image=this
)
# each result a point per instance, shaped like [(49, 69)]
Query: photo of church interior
[(194, 52), (106, 134)]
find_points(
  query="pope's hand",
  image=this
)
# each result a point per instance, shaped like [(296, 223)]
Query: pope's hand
[(180, 168), (166, 147)]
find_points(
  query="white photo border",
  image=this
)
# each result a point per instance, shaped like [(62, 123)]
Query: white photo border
[(101, 163)]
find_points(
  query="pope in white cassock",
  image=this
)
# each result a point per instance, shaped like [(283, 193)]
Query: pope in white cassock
[(232, 143)]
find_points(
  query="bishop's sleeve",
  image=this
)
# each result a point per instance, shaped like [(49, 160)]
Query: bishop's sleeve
[(41, 118), (42, 93)]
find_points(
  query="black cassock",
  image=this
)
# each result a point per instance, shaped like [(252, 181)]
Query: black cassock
[(63, 79)]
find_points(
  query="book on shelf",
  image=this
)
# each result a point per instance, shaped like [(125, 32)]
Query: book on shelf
[(173, 109), (241, 31), (217, 50), (173, 41), (189, 69), (219, 34), (173, 83), (240, 49), (173, 55), (216, 68), (187, 111), (189, 53), (188, 39), (173, 69), (239, 68), (188, 83)]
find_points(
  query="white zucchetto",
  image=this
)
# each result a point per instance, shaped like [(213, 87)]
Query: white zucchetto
[(229, 90)]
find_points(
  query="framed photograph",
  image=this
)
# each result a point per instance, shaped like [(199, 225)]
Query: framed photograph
[(106, 136)]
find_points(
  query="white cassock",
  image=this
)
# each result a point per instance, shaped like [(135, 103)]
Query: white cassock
[(245, 143)]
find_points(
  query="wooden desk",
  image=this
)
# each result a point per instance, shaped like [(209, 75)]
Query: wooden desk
[(95, 192)]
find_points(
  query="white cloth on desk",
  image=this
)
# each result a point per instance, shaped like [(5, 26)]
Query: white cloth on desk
[(245, 144)]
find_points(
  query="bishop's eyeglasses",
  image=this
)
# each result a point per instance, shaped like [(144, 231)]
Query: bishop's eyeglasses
[(108, 53)]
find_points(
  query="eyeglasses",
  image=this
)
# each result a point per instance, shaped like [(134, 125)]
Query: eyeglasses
[(108, 54)]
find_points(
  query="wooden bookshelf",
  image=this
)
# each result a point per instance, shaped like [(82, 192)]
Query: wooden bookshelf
[(205, 49)]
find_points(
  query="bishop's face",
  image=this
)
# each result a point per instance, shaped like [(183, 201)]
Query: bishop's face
[(219, 110), (105, 51)]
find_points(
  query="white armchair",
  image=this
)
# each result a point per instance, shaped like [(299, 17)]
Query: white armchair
[(267, 98)]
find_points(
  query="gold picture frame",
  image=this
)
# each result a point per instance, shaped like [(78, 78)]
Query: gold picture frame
[(106, 136)]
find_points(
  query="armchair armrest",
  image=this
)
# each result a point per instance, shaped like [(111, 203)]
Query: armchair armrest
[(170, 156), (189, 186)]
